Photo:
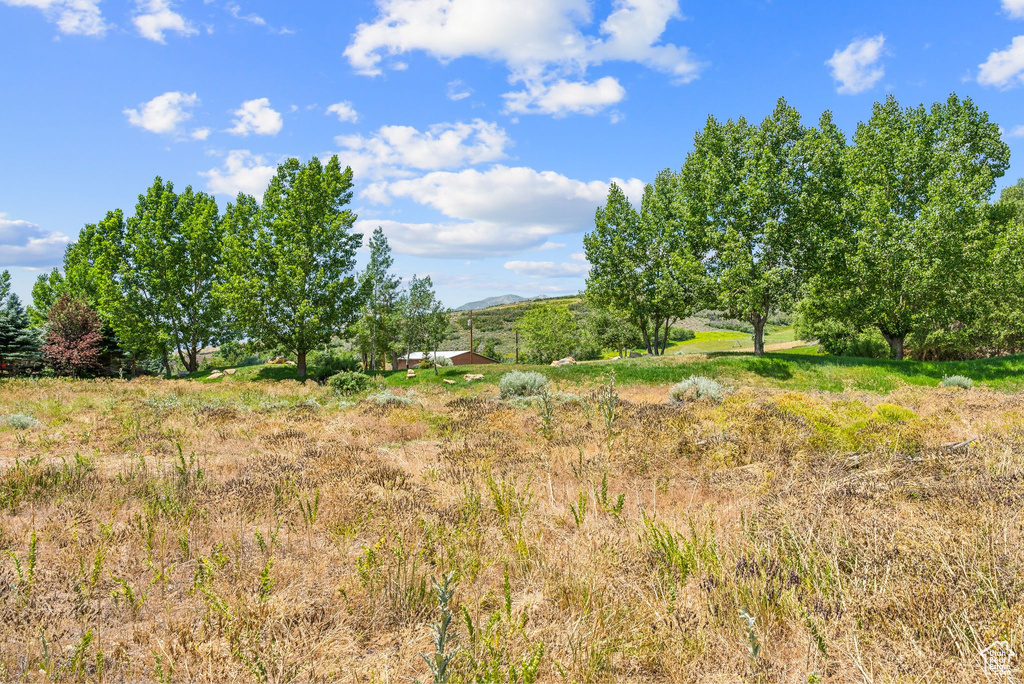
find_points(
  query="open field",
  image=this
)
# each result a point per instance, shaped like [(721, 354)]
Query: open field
[(247, 529)]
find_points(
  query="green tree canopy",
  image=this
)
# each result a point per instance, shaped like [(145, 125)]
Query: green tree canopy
[(911, 257), (550, 332), (288, 266), (645, 263), (747, 188), (379, 291)]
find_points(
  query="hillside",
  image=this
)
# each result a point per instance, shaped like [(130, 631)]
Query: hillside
[(491, 301)]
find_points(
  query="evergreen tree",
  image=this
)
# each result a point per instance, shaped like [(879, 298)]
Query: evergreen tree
[(19, 343)]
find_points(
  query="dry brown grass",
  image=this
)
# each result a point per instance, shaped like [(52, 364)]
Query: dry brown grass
[(268, 531)]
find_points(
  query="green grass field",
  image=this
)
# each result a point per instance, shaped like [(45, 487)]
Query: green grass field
[(798, 369)]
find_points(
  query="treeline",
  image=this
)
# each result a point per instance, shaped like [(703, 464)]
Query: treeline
[(135, 293), (888, 241)]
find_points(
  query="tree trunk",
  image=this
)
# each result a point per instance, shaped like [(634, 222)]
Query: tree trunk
[(758, 322), (664, 341), (300, 365), (193, 360), (647, 338), (435, 358), (657, 338), (895, 345)]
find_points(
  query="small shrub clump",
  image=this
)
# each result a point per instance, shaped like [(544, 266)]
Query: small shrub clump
[(521, 384), (957, 381), (20, 421), (386, 398), (349, 382), (680, 334), (325, 364), (696, 387)]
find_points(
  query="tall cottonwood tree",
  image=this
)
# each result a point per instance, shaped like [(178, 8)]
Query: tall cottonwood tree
[(917, 241), (288, 268), (645, 263), (379, 315), (168, 269), (745, 187)]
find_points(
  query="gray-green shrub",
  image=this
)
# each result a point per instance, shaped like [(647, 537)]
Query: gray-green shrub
[(521, 384), (696, 387), (20, 421), (957, 381)]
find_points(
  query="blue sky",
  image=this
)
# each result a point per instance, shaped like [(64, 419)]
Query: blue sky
[(483, 133)]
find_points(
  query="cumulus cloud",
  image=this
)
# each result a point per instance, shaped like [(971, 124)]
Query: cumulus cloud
[(1014, 8), (548, 269), (1004, 68), (154, 18), (565, 97), (164, 113), (497, 211), (394, 150), (257, 116), (855, 68), (26, 244), (72, 17), (542, 42), (242, 171), (201, 134), (344, 111)]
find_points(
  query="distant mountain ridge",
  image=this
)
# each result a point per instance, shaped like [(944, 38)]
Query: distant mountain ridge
[(491, 301)]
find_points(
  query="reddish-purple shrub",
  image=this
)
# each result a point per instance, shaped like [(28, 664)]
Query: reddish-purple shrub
[(74, 342)]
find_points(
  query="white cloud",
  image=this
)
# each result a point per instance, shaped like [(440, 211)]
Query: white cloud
[(72, 17), (242, 171), (1015, 8), (154, 18), (393, 150), (542, 42), (164, 113), (1004, 68), (236, 11), (201, 134), (257, 116), (497, 211), (457, 90), (344, 111), (548, 269), (23, 243), (564, 97), (856, 67)]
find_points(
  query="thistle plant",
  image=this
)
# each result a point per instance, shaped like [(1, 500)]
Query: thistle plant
[(441, 658)]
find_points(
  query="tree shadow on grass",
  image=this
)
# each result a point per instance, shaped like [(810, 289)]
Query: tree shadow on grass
[(768, 367)]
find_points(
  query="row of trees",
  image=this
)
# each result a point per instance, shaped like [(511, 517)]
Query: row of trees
[(891, 232), (177, 276)]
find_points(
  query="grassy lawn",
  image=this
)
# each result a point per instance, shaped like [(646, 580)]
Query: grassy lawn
[(801, 368)]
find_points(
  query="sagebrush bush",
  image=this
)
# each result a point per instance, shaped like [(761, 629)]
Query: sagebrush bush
[(957, 381), (386, 398), (696, 387), (20, 421), (349, 382), (521, 384)]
